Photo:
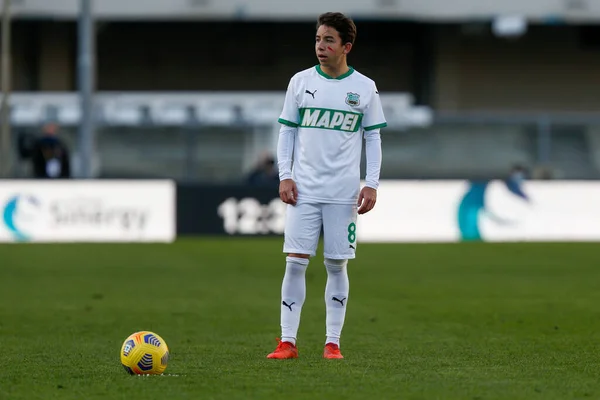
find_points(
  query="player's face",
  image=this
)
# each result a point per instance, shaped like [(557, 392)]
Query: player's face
[(329, 47)]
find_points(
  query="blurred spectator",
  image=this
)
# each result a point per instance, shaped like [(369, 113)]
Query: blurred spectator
[(518, 174), (49, 155), (265, 173)]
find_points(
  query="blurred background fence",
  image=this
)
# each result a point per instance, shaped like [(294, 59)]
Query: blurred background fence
[(224, 147)]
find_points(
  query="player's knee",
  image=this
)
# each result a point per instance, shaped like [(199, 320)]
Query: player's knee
[(335, 266), (298, 255)]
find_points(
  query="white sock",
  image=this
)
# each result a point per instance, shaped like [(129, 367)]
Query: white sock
[(336, 298), (293, 293)]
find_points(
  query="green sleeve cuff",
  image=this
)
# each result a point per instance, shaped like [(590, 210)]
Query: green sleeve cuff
[(288, 123), (378, 126)]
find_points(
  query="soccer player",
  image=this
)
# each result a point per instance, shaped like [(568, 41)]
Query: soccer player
[(328, 109)]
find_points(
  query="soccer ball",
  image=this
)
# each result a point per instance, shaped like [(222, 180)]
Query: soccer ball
[(144, 353)]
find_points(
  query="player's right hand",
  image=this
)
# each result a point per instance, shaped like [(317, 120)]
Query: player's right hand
[(288, 192)]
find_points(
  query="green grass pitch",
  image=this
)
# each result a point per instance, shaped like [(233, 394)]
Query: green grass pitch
[(457, 321)]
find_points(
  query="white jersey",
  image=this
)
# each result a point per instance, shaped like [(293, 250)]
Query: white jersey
[(331, 115)]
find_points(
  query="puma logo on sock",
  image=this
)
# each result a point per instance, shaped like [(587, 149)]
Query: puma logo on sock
[(339, 301)]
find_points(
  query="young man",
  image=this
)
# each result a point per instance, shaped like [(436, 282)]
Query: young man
[(328, 109)]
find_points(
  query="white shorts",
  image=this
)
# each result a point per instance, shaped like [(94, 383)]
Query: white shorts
[(303, 224)]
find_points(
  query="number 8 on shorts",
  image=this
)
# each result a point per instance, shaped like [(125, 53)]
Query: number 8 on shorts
[(352, 233)]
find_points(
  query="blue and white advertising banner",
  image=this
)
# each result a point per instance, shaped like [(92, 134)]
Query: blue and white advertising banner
[(87, 211), (406, 211), (492, 211)]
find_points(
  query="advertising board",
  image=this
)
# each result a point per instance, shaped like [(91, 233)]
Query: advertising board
[(87, 211), (416, 211), (492, 211)]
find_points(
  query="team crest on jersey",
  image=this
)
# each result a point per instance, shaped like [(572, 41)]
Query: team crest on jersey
[(353, 99)]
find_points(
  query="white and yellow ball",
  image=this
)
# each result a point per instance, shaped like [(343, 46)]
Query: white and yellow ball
[(144, 353)]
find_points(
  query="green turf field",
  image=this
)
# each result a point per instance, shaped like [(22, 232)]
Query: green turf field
[(469, 321)]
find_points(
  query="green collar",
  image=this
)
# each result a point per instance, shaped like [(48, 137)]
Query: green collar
[(339, 78)]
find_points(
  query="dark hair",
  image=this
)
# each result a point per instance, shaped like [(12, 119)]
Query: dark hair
[(338, 21)]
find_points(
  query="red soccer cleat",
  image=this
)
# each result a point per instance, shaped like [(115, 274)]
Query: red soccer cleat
[(332, 351), (284, 350)]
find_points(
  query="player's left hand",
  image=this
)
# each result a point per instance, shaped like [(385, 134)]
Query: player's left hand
[(366, 200)]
